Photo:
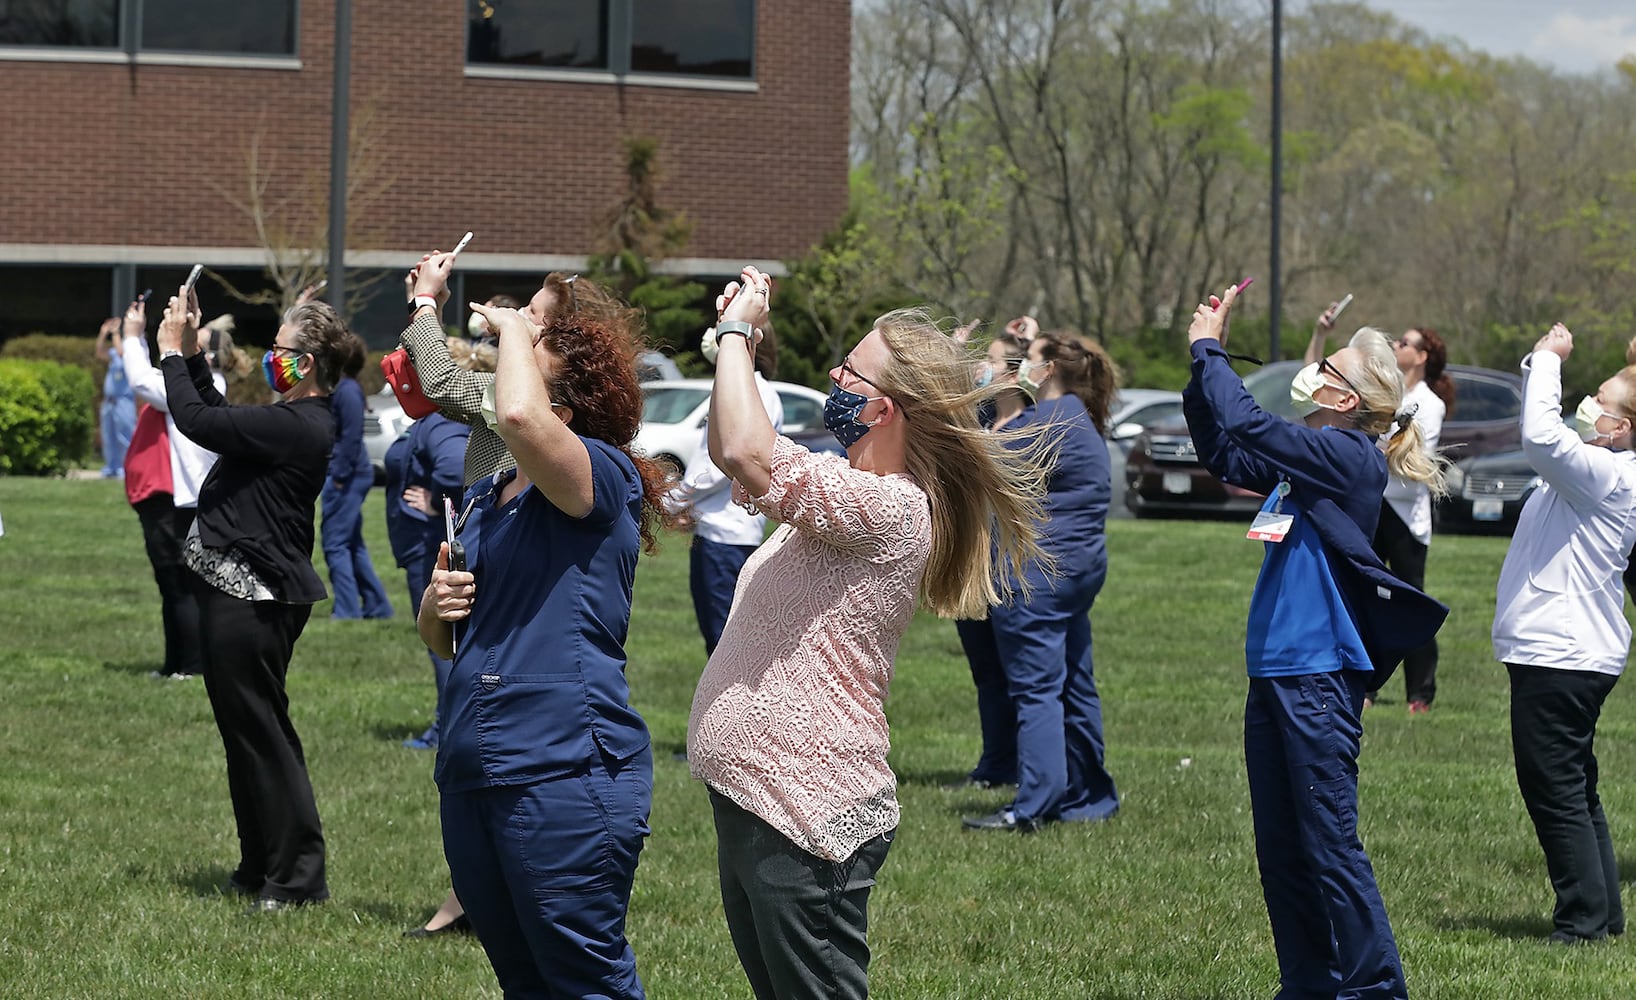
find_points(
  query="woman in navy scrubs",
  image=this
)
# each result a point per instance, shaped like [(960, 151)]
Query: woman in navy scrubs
[(1044, 638), (543, 767)]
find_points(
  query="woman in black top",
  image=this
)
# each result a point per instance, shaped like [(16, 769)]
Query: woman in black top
[(251, 551)]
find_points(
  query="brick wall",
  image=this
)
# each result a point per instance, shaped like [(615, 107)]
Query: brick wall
[(141, 155)]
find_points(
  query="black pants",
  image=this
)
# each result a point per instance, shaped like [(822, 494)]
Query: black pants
[(799, 922), (1406, 558), (164, 528), (247, 653), (1553, 728)]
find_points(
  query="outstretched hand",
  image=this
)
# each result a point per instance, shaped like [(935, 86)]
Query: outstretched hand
[(506, 322), (179, 330), (1210, 319), (748, 300), (1558, 341)]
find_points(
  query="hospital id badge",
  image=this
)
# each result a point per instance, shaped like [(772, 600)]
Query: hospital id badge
[(1272, 525)]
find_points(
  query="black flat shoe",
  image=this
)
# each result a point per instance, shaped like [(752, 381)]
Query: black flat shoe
[(268, 904), (1003, 819), (459, 925), (240, 887)]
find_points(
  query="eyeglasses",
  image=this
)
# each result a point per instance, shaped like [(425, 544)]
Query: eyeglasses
[(291, 351), (846, 368), (1325, 366), (1406, 342)]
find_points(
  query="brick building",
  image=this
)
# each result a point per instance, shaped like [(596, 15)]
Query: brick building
[(129, 126)]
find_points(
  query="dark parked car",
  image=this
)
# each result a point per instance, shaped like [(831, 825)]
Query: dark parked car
[(1486, 494), (1163, 474)]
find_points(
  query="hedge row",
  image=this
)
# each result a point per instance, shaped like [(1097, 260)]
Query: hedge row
[(47, 413)]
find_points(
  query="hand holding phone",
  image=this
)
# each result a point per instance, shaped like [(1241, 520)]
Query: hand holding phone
[(457, 562), (144, 296), (1327, 320), (461, 245)]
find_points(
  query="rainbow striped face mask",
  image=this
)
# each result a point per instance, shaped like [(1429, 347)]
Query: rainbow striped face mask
[(282, 372)]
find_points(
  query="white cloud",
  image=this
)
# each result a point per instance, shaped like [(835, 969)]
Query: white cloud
[(1570, 38)]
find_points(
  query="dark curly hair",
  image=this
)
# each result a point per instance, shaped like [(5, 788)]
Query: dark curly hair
[(596, 376)]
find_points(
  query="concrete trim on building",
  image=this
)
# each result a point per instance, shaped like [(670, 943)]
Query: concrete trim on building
[(546, 74), (471, 260)]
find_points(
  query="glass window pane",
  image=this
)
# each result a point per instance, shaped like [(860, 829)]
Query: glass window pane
[(701, 37), (83, 23), (247, 27), (65, 300), (562, 33), (670, 405)]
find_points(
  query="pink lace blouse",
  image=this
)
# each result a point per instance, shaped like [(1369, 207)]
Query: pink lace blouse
[(789, 718)]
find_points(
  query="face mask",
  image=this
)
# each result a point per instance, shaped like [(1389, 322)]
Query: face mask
[(490, 416), (1589, 412), (1307, 381), (1025, 376), (841, 411), (282, 372), (985, 374), (478, 327)]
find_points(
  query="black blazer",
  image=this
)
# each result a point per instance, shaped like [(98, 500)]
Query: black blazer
[(259, 497)]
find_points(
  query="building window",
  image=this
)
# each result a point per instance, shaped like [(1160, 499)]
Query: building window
[(71, 24), (697, 38), (243, 27), (246, 27), (571, 34)]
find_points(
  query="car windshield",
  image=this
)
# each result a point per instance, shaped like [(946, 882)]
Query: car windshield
[(670, 404)]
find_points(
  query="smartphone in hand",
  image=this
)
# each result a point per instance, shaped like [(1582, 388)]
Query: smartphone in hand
[(192, 279), (1340, 307), (457, 562), (461, 245)]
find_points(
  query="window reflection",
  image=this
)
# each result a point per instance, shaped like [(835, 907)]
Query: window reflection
[(562, 33), (245, 27), (78, 23), (698, 37)]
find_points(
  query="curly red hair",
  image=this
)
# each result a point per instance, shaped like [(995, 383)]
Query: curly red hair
[(596, 376)]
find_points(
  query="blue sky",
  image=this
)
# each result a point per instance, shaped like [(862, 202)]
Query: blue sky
[(1572, 35)]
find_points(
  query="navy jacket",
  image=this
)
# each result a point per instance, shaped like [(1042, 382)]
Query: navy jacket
[(1246, 446)]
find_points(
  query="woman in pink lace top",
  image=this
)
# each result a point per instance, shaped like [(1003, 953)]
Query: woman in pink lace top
[(788, 727)]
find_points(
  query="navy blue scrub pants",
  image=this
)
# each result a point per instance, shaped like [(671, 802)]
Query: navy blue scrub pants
[(545, 871), (1045, 646), (1329, 926), (713, 569), (358, 591), (1553, 735), (996, 716)]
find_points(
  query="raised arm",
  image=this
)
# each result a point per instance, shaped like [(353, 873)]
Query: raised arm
[(741, 435), (1583, 473), (547, 451), (146, 380), (1318, 346), (456, 391)]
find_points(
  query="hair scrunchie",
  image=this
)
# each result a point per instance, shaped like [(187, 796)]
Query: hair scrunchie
[(1405, 415)]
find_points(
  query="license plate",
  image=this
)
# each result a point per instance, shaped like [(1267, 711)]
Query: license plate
[(1487, 510), (1178, 482)]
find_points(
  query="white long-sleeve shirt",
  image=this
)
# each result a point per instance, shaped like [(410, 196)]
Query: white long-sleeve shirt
[(1561, 601), (1410, 500), (716, 517), (189, 463)]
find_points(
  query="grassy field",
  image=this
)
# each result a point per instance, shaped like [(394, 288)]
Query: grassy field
[(115, 826)]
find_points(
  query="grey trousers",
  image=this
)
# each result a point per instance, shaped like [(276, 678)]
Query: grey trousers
[(799, 922)]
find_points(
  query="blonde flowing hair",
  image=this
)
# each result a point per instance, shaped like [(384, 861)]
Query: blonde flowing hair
[(1379, 384), (985, 498)]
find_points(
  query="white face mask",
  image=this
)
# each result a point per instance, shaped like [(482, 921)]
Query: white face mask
[(1589, 412), (1305, 385), (1025, 375), (490, 415)]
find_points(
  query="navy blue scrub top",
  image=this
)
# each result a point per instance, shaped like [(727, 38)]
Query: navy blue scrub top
[(538, 687), (1078, 486)]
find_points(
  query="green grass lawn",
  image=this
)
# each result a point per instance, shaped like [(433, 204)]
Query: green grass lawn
[(115, 826)]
